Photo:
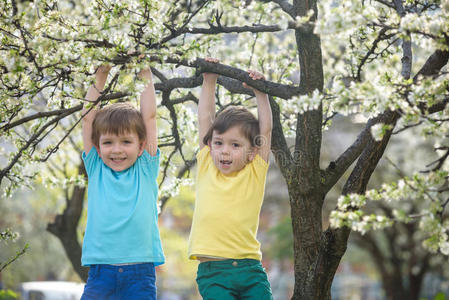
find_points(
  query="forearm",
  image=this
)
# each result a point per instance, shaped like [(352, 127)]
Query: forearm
[(206, 104), (148, 100), (264, 113), (148, 108), (94, 92), (89, 113)]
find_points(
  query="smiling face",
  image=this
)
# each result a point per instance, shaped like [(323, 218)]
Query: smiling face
[(231, 150), (119, 152)]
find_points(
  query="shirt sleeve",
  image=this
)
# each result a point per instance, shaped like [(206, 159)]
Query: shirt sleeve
[(260, 167), (202, 158), (151, 163), (90, 160)]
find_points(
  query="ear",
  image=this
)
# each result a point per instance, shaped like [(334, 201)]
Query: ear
[(142, 147), (209, 143)]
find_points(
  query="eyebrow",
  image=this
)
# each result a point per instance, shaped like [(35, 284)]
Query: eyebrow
[(231, 140), (119, 136)]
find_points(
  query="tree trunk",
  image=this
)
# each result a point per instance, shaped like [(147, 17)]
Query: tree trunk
[(317, 253), (65, 226), (316, 256)]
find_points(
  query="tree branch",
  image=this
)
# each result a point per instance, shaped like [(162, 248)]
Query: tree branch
[(65, 225), (66, 111), (270, 88), (186, 168), (285, 5), (433, 64), (255, 28)]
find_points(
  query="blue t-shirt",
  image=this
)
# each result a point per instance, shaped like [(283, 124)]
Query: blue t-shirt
[(122, 212)]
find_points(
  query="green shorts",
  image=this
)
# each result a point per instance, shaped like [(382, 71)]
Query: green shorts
[(233, 279)]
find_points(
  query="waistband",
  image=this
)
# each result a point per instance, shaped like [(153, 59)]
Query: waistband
[(229, 263), (141, 268)]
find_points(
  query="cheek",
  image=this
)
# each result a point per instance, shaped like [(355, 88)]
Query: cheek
[(214, 155)]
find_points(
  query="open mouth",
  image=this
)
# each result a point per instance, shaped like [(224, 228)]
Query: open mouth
[(117, 159), (226, 162)]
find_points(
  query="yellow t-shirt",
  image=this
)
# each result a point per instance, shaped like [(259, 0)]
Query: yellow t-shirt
[(227, 209)]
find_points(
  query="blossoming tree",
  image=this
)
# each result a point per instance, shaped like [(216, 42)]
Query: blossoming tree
[(382, 60)]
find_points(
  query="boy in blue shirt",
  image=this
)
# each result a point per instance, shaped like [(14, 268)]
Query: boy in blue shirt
[(122, 243)]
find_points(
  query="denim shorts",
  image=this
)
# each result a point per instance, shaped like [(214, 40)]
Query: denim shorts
[(116, 282), (233, 279)]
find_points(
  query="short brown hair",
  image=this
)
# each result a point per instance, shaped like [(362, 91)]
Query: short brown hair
[(118, 118), (235, 116)]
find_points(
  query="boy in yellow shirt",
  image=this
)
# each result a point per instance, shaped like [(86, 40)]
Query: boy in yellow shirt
[(232, 168)]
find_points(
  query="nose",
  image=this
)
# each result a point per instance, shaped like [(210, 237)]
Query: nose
[(116, 148), (225, 149)]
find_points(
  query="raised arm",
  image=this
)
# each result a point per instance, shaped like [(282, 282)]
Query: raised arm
[(264, 116), (148, 111), (94, 91), (206, 105)]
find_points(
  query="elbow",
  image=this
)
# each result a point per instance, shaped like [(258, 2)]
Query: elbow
[(148, 115), (150, 118)]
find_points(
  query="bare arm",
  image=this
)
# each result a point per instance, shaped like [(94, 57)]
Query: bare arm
[(92, 95), (264, 116), (148, 111), (206, 105)]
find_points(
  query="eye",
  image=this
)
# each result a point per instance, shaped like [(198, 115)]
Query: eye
[(106, 143), (217, 143), (127, 142), (235, 145)]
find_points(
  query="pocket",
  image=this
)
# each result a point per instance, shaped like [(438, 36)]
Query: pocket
[(151, 276), (206, 277), (94, 288), (92, 273), (147, 286)]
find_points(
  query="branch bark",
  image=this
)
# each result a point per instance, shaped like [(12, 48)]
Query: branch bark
[(274, 89), (65, 225)]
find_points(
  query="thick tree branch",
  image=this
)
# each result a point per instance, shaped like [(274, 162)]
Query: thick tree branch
[(270, 88), (386, 3), (174, 83), (370, 156), (279, 145), (335, 240), (256, 28), (432, 67), (337, 168), (433, 64), (285, 5), (407, 57)]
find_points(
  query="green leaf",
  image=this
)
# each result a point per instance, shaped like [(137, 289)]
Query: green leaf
[(8, 295), (440, 296)]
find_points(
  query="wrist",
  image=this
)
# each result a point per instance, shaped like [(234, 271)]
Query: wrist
[(260, 94), (100, 82), (210, 80), (98, 87), (148, 79)]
